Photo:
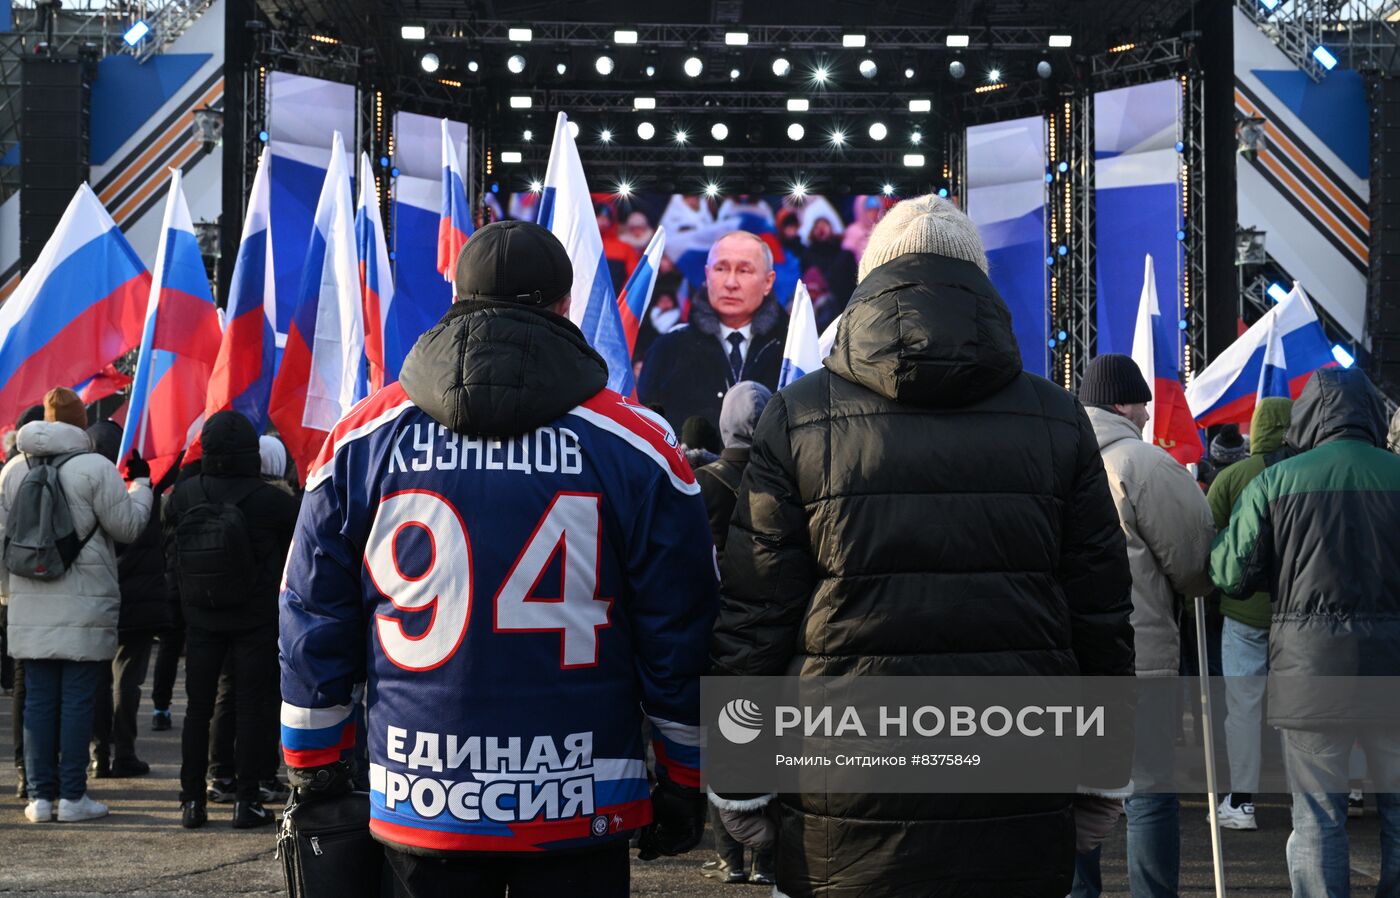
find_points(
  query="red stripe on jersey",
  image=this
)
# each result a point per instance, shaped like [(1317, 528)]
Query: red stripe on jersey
[(365, 411), (530, 836), (634, 419)]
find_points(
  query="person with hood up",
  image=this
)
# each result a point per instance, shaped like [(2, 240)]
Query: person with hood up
[(145, 612), (1319, 529), (421, 568), (736, 332), (226, 538), (1168, 527), (922, 466), (1245, 638), (65, 629)]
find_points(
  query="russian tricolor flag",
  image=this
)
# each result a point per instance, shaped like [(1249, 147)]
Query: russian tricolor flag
[(247, 358), (1170, 425), (566, 209), (179, 345), (107, 382), (322, 370), (455, 225), (636, 293), (78, 308), (376, 281), (802, 350), (1275, 357)]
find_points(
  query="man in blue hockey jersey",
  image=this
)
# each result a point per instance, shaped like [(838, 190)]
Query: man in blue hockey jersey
[(517, 563)]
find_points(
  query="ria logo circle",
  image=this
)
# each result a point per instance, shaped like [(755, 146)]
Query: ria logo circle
[(740, 721)]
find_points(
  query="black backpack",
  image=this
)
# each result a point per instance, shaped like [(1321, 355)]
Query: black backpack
[(213, 552), (41, 542)]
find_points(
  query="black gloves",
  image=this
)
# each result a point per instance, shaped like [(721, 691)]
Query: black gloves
[(678, 822), (315, 783), (136, 466)]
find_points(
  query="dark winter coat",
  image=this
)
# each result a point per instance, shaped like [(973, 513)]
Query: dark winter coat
[(719, 485), (230, 461), (924, 507), (687, 370), (1318, 532)]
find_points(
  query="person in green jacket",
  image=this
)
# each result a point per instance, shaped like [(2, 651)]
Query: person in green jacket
[(1318, 529), (1245, 639)]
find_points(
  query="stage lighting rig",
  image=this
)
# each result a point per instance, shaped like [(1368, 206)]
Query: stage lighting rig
[(781, 67)]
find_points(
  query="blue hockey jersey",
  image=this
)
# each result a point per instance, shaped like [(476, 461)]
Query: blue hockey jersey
[(514, 606)]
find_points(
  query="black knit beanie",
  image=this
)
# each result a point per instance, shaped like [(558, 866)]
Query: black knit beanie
[(1113, 379)]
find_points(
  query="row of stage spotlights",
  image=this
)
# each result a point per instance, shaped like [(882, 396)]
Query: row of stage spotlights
[(796, 188), (819, 75), (719, 131)]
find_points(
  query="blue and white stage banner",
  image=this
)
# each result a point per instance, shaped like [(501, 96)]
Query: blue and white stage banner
[(1138, 211), (1006, 199), (421, 295), (303, 115)]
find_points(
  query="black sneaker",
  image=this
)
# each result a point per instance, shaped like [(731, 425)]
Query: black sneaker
[(160, 719), (222, 791), (251, 814), (273, 790), (193, 815), (128, 767)]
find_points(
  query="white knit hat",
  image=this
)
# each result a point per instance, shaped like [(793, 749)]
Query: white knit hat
[(923, 224)]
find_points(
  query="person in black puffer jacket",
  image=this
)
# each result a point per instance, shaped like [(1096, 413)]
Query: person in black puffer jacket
[(245, 629), (145, 613), (921, 468)]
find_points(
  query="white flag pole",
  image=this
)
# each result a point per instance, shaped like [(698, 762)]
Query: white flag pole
[(1217, 862)]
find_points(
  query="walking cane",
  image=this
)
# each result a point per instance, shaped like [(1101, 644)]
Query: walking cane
[(1216, 860)]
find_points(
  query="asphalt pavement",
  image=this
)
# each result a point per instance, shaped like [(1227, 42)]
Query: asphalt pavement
[(140, 849)]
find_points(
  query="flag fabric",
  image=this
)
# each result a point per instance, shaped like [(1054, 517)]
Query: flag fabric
[(455, 223), (179, 345), (79, 307), (376, 281), (107, 382), (1275, 357), (566, 209), (321, 375), (1169, 425), (828, 337), (242, 376), (636, 293), (802, 350)]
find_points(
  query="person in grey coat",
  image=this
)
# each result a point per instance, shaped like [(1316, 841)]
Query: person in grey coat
[(66, 629)]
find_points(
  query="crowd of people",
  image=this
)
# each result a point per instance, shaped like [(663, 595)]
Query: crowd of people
[(501, 576)]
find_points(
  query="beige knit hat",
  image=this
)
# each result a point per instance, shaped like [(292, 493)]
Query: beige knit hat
[(923, 224)]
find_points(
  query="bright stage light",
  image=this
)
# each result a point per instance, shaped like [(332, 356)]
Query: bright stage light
[(993, 75), (820, 74), (521, 102), (625, 36), (624, 189), (781, 67), (736, 38), (473, 66), (1325, 57), (909, 73), (536, 186), (712, 161), (733, 74), (413, 32), (520, 35), (795, 131), (137, 31), (680, 136), (719, 130), (798, 105), (516, 64), (693, 66), (561, 68), (712, 190), (644, 103), (887, 190), (920, 105), (958, 40), (430, 62), (852, 41), (914, 160), (878, 131), (956, 69), (1043, 69), (1343, 357), (510, 156), (646, 130), (1278, 292), (837, 138), (528, 135), (916, 138), (604, 65), (798, 190), (868, 68), (605, 136), (573, 130), (651, 71), (1061, 40)]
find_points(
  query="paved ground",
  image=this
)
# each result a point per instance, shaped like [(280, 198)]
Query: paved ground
[(140, 849)]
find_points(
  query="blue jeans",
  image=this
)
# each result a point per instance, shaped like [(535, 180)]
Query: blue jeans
[(1319, 856), (1245, 661), (58, 704)]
